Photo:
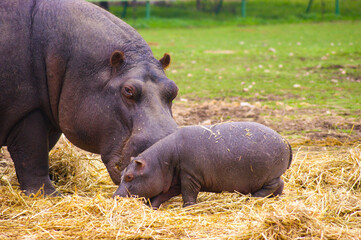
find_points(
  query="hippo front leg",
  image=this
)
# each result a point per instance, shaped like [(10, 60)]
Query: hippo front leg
[(53, 137), (28, 146), (274, 187), (158, 200), (190, 189)]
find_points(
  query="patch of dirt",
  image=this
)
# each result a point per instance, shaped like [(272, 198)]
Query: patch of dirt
[(339, 72), (302, 126), (334, 66)]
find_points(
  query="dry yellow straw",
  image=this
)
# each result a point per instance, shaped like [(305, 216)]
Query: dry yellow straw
[(322, 200)]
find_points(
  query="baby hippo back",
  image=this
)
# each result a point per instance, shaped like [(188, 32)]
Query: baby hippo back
[(240, 156)]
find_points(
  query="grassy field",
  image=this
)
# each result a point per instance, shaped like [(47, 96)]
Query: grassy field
[(303, 80), (298, 63)]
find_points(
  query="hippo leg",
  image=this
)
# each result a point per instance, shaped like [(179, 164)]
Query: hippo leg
[(274, 187), (279, 190), (28, 146), (53, 137), (158, 200), (190, 189)]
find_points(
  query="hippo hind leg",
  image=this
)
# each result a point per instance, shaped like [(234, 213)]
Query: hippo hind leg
[(28, 146), (270, 189)]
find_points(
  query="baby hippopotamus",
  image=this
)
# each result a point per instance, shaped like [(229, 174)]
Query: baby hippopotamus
[(246, 157)]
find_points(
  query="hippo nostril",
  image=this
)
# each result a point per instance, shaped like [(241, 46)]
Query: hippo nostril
[(122, 191)]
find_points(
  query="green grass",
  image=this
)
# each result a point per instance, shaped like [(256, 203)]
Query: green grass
[(184, 13), (293, 63)]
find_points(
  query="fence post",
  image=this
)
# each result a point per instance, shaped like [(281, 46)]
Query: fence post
[(337, 8), (147, 10), (309, 6), (243, 8)]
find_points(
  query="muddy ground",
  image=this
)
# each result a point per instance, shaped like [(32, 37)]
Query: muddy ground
[(309, 125)]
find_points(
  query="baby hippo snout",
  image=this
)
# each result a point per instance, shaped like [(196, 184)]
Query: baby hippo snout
[(122, 191)]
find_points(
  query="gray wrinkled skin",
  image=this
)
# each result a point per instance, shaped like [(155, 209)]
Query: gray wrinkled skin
[(245, 157), (68, 66)]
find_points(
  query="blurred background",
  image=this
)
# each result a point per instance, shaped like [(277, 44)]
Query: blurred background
[(170, 13)]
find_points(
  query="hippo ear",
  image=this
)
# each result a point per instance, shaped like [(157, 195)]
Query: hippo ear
[(117, 58), (165, 60), (140, 163)]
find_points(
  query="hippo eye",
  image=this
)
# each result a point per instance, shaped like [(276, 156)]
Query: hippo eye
[(128, 177), (128, 91)]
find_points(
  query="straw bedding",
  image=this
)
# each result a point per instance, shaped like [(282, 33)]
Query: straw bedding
[(322, 200)]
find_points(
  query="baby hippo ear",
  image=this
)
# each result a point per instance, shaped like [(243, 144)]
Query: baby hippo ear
[(140, 163), (165, 60), (117, 58)]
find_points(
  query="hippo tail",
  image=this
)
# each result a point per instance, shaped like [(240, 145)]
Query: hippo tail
[(290, 161)]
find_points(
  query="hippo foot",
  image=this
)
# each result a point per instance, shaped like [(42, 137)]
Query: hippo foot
[(187, 204), (44, 190), (279, 191), (42, 193), (151, 205), (271, 189)]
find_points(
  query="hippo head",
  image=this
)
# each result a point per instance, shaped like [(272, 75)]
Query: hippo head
[(122, 109), (141, 180)]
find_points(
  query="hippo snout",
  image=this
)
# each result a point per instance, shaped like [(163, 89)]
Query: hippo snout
[(122, 191), (145, 134)]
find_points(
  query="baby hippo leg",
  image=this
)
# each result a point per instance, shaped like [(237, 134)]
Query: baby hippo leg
[(190, 189), (274, 187), (158, 200)]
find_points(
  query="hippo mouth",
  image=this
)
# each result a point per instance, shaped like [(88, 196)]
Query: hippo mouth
[(120, 161), (124, 192), (119, 157), (132, 146), (153, 202), (115, 164)]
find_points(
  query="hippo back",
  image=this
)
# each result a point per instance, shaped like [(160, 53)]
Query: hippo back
[(249, 152)]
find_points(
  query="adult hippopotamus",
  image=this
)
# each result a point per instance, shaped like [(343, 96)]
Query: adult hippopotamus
[(246, 157), (68, 66)]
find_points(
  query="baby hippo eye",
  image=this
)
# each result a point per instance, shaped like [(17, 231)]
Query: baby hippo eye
[(128, 91), (128, 177)]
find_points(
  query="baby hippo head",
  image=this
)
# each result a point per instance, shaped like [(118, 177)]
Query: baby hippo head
[(139, 179)]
